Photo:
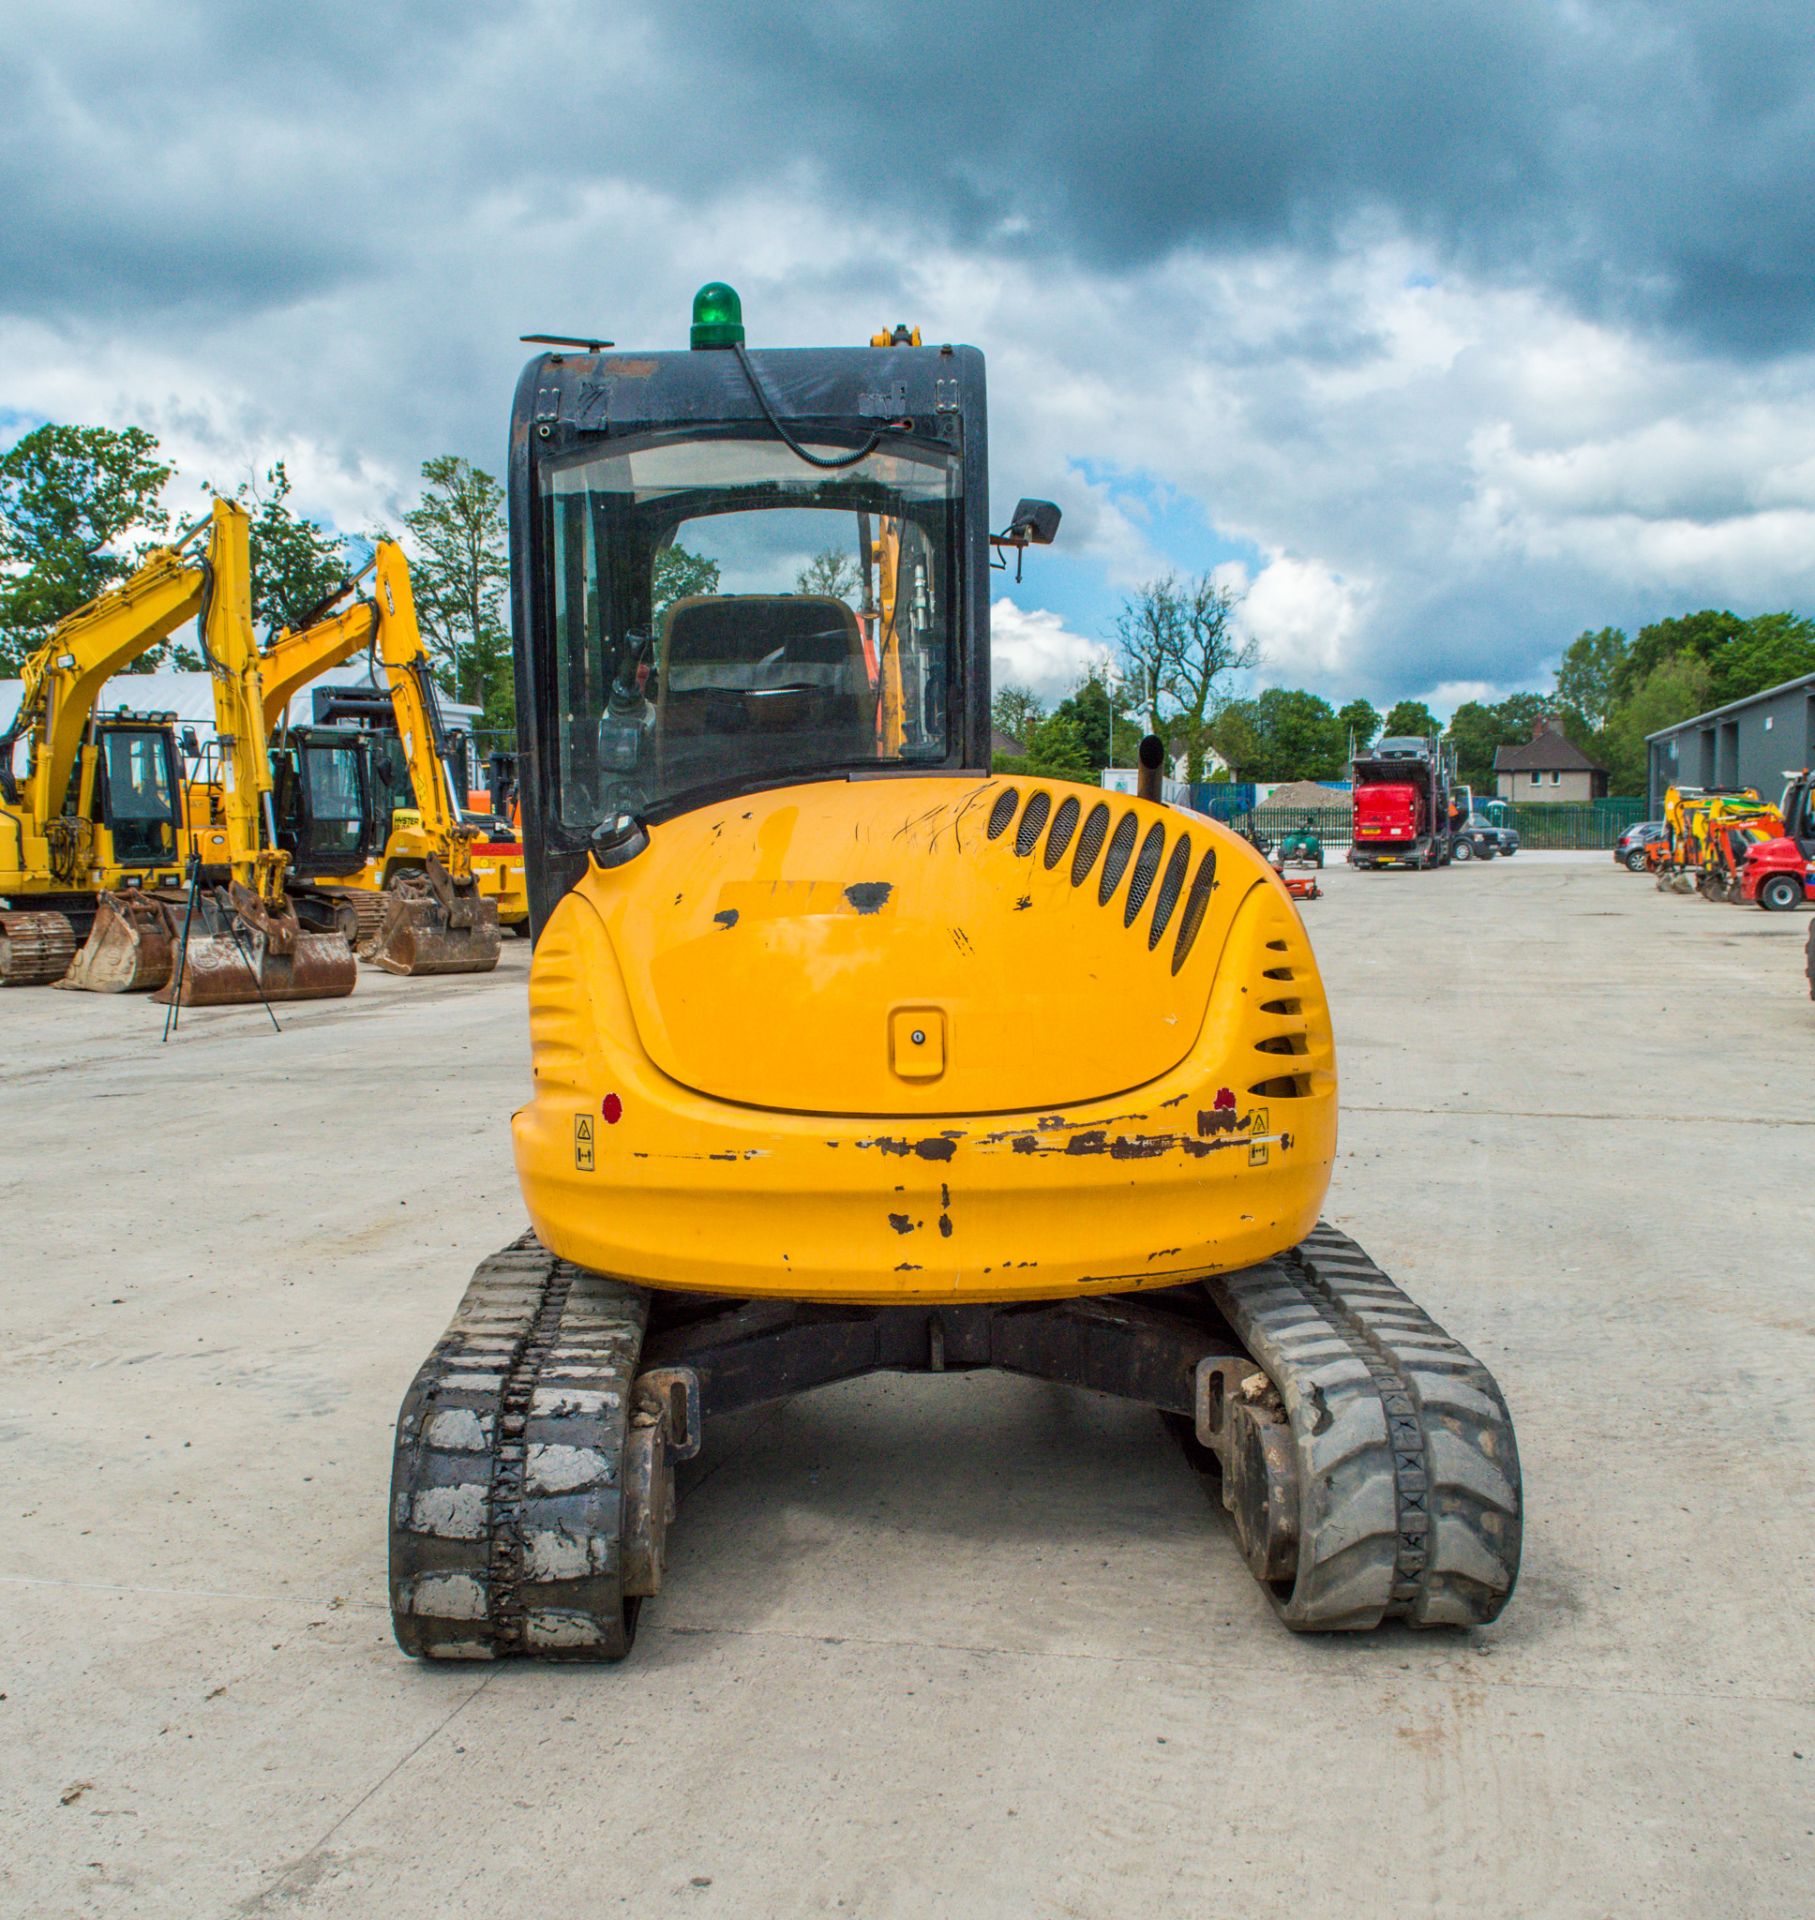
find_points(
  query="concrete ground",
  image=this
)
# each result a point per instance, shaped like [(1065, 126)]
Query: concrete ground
[(971, 1645)]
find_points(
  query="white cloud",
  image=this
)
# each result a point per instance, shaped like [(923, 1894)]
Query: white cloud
[(1303, 618), (1435, 479), (1030, 647)]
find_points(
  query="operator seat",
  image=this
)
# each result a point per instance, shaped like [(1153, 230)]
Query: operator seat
[(758, 683)]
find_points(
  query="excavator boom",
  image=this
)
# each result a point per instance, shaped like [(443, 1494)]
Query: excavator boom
[(250, 944), (436, 918)]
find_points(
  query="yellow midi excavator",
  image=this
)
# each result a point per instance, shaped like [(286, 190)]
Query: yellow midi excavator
[(420, 901), (849, 1056), (98, 805), (235, 935)]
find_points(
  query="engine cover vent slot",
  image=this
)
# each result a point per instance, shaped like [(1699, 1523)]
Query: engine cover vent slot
[(1197, 904), (1090, 844), (1115, 861), (1170, 888), (1285, 1086), (1003, 812), (1027, 835), (1153, 850), (1064, 825)]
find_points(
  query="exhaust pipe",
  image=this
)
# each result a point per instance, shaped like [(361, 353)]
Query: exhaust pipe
[(1149, 760)]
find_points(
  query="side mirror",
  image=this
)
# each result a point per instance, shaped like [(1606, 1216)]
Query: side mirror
[(1035, 524), (190, 742)]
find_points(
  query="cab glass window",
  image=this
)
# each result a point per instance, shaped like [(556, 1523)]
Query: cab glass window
[(141, 796), (727, 615)]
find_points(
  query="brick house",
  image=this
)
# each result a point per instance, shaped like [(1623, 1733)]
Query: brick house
[(1547, 767)]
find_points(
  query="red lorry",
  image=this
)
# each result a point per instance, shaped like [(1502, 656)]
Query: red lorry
[(1401, 789)]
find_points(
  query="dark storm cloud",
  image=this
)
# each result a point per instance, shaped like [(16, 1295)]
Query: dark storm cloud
[(1650, 163)]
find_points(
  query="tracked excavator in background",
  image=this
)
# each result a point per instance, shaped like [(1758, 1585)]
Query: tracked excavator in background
[(849, 1056), (234, 934), (98, 805), (419, 899)]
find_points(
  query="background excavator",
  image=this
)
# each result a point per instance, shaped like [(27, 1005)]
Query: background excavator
[(848, 1056), (236, 934), (422, 902), (98, 804)]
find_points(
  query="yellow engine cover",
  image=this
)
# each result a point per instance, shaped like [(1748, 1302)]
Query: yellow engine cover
[(916, 1038)]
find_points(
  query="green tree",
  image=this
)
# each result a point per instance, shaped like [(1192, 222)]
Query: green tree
[(77, 506), (1587, 674), (1360, 722), (1409, 717), (679, 574), (1088, 705), (1675, 689), (296, 563), (832, 573), (1056, 750), (1304, 739), (1766, 651), (1237, 736), (460, 576), (1702, 634), (1475, 731), (1014, 709)]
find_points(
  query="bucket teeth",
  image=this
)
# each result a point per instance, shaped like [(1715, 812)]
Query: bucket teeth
[(432, 925), (242, 950), (130, 948)]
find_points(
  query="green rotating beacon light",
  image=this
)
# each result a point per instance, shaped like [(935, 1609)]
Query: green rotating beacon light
[(718, 316)]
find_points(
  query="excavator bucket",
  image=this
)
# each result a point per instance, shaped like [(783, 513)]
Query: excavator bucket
[(241, 950), (431, 925), (131, 946)]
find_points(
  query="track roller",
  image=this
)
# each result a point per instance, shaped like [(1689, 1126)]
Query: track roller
[(35, 948)]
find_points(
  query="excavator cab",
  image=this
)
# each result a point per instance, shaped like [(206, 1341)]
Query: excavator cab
[(322, 798), (736, 571), (138, 795)]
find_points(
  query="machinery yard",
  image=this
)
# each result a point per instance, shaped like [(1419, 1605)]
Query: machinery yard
[(973, 1644)]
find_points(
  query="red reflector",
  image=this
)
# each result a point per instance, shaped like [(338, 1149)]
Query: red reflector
[(499, 849), (612, 1108)]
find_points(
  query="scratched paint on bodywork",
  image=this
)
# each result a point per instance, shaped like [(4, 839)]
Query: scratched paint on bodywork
[(727, 919), (869, 896), (940, 1147)]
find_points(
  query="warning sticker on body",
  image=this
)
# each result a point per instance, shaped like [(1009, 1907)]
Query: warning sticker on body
[(583, 1124)]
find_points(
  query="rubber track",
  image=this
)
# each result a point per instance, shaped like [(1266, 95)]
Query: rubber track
[(506, 1501), (1408, 1472)]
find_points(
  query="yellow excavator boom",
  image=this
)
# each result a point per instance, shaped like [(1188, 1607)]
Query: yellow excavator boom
[(299, 655), (64, 677)]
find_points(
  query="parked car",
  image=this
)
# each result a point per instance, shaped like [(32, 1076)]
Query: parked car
[(1506, 839), (1479, 838), (1629, 848)]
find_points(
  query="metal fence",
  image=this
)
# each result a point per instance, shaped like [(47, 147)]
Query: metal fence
[(1554, 827)]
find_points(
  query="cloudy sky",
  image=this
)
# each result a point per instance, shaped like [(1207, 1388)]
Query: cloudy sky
[(1445, 328)]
